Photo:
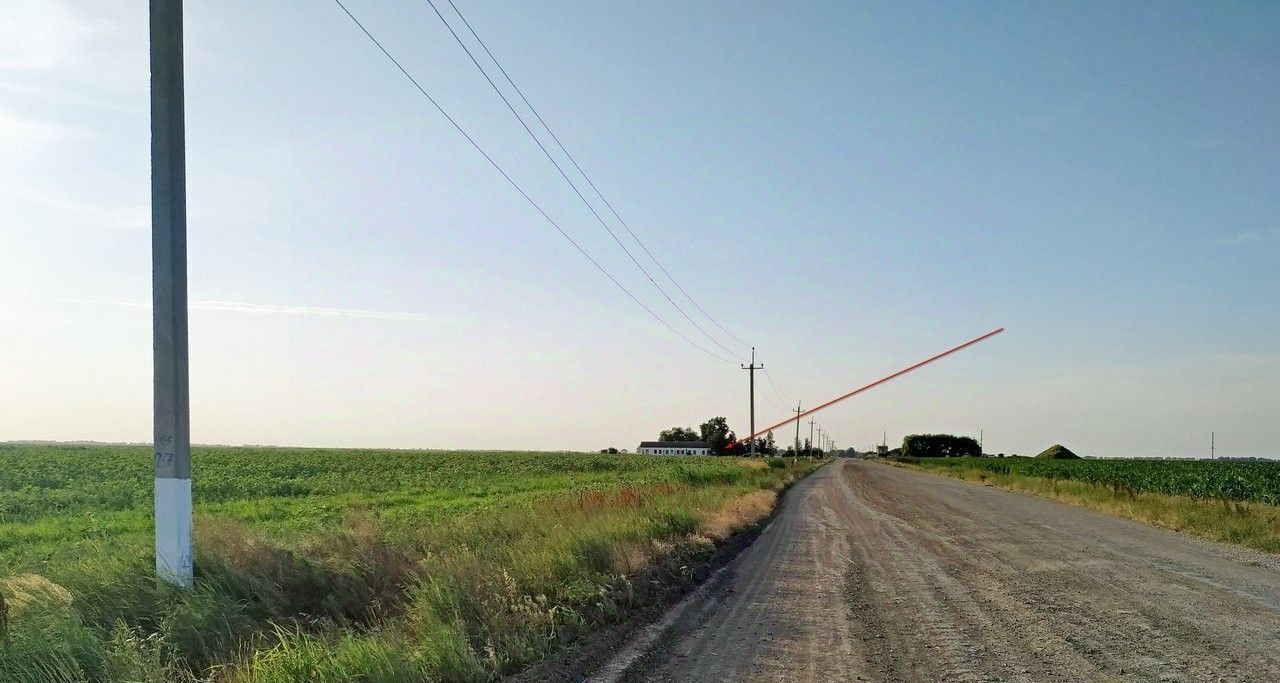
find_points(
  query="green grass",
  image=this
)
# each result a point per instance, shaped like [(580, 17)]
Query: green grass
[(1223, 501), (349, 565)]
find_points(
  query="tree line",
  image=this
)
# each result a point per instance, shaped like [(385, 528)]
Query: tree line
[(940, 446), (720, 439)]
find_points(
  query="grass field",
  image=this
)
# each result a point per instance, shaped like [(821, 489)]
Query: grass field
[(349, 565), (1236, 502)]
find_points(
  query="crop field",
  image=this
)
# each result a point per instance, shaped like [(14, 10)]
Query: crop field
[(350, 565), (1203, 479)]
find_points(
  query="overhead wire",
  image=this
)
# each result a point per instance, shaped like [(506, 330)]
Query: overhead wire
[(584, 174), (776, 403), (520, 189), (782, 395)]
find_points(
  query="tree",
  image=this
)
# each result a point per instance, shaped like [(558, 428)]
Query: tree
[(767, 445), (679, 434), (940, 446), (715, 433)]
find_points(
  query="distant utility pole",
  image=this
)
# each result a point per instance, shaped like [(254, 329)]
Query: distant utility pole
[(169, 298), (752, 372), (797, 412), (1213, 446), (979, 442), (820, 440), (811, 423)]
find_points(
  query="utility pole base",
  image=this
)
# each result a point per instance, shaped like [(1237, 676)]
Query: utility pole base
[(173, 532)]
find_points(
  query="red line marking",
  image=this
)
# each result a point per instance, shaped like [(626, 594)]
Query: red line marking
[(876, 383)]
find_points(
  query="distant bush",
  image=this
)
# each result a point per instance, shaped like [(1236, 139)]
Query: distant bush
[(939, 446)]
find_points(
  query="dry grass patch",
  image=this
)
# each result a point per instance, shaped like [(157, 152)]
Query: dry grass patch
[(738, 514), (23, 591)]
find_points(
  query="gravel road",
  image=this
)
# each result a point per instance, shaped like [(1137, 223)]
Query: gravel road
[(874, 573)]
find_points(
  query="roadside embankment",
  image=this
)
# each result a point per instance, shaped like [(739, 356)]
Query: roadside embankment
[(340, 565)]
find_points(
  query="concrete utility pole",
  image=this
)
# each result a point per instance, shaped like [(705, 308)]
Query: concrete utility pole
[(752, 371), (979, 442), (820, 441), (169, 298), (811, 423), (797, 412)]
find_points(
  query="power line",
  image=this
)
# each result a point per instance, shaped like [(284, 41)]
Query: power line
[(572, 185), (774, 395), (587, 177), (782, 395), (518, 188), (584, 174), (769, 397)]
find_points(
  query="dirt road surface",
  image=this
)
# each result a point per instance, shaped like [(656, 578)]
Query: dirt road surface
[(874, 573)]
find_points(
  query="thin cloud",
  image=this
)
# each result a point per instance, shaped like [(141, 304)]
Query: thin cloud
[(87, 49), (36, 143), (77, 97), (274, 309), (76, 213), (19, 133), (41, 35), (1253, 237)]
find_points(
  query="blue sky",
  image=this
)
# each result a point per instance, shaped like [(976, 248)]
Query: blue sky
[(849, 186)]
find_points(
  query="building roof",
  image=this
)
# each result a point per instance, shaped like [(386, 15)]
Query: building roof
[(672, 444)]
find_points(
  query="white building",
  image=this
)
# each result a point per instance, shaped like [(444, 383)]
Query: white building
[(673, 448)]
